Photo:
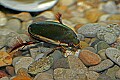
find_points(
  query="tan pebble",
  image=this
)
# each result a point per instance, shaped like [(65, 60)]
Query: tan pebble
[(114, 17), (78, 26), (67, 2), (83, 44), (5, 59), (92, 75), (89, 58), (87, 40), (93, 15), (3, 19), (24, 16)]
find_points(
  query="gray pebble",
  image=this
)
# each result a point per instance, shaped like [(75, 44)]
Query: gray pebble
[(102, 54), (104, 77), (89, 30), (90, 49), (113, 54), (102, 66), (5, 78), (117, 74)]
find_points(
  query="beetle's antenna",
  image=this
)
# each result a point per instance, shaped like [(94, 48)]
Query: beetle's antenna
[(58, 17)]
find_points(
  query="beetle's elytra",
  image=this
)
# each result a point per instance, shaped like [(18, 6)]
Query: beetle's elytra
[(53, 32)]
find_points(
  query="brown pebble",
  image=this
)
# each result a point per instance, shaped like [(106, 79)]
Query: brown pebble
[(89, 58), (3, 74), (10, 70)]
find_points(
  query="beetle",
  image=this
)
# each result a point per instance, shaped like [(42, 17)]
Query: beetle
[(51, 32)]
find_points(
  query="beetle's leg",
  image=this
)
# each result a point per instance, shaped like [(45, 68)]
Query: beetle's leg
[(58, 17)]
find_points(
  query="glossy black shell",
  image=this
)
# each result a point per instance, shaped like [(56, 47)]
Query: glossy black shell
[(53, 32)]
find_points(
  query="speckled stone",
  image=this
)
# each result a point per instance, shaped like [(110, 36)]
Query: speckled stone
[(102, 54), (89, 30), (92, 75), (117, 74), (89, 58), (43, 76), (102, 66), (104, 77), (101, 45), (40, 65), (113, 54), (112, 71), (23, 62)]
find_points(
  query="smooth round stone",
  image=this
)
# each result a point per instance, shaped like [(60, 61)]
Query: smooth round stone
[(112, 71), (83, 44), (101, 45), (41, 65), (5, 32), (92, 75), (102, 66), (89, 58), (13, 24), (104, 17), (110, 7), (15, 60), (102, 54), (43, 76), (113, 54), (3, 19), (3, 74), (47, 14), (89, 30), (23, 16), (90, 49), (23, 62), (117, 74), (67, 3), (104, 77), (80, 36), (107, 35), (10, 70)]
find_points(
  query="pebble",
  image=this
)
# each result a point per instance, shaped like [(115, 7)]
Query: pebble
[(83, 44), (117, 74), (13, 24), (93, 15), (90, 49), (10, 70), (61, 63), (114, 17), (103, 77), (4, 78), (89, 30), (89, 58), (3, 19), (101, 45), (105, 64), (68, 74), (107, 35), (102, 54), (23, 62), (113, 54), (23, 16), (92, 75), (47, 14), (104, 17), (67, 3), (43, 76), (16, 59), (5, 59), (22, 75), (3, 74), (112, 71), (40, 65), (110, 7)]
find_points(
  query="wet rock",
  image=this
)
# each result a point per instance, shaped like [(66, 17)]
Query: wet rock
[(41, 65), (13, 24), (89, 58), (117, 74), (4, 78), (23, 16), (110, 7), (101, 45), (16, 59), (93, 15), (68, 74), (112, 71), (102, 66), (61, 63), (91, 75), (23, 62), (5, 59), (104, 17), (43, 76), (102, 54), (3, 74), (22, 75), (90, 49), (108, 35), (3, 19), (104, 77), (83, 44), (113, 54), (89, 30), (10, 70)]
